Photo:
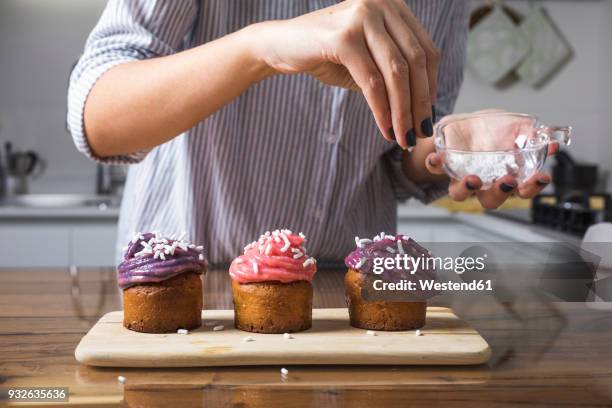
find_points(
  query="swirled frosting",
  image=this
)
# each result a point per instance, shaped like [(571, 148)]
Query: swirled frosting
[(389, 246), (276, 256), (151, 257)]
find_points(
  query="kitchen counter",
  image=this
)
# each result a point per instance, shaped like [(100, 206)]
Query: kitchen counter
[(544, 354)]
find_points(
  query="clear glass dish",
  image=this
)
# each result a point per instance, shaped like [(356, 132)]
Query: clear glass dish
[(491, 145)]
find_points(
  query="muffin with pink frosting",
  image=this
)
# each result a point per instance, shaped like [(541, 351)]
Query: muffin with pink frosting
[(271, 284), (161, 282)]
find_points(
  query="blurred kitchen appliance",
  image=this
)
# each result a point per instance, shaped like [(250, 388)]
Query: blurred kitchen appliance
[(19, 167), (110, 179), (575, 204)]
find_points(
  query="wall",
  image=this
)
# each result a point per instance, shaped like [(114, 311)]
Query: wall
[(579, 95), (39, 41)]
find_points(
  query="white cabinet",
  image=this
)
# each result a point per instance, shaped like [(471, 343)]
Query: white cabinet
[(26, 245), (57, 243)]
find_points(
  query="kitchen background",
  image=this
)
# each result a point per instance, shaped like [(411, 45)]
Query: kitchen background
[(40, 39)]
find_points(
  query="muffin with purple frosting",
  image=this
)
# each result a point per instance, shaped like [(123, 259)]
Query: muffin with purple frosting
[(382, 315), (161, 282)]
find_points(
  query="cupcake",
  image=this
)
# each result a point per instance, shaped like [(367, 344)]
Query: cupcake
[(271, 284), (161, 282), (382, 315)]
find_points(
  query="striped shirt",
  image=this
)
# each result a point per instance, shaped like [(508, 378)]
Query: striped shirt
[(290, 152)]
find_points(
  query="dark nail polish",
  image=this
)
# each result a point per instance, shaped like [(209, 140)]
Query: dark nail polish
[(506, 188), (470, 186), (433, 114), (427, 127), (542, 183), (411, 137), (392, 133)]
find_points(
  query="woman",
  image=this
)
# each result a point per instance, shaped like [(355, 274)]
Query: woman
[(229, 144)]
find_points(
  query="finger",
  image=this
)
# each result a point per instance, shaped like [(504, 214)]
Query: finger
[(432, 53), (460, 190), (433, 163), (534, 185), (416, 56), (498, 193), (394, 67), (358, 61)]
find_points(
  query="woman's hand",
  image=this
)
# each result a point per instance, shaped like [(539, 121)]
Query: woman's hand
[(376, 46), (501, 189)]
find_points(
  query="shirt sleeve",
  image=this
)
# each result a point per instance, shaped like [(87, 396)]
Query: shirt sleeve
[(450, 78), (128, 30)]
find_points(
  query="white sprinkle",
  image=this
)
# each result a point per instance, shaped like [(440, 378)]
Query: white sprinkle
[(218, 328), (156, 255), (284, 371), (301, 235), (359, 264), (182, 331), (287, 245), (199, 248), (287, 336), (309, 261), (363, 241), (238, 260), (357, 242), (121, 379), (255, 268), (201, 257), (371, 333), (406, 237), (418, 333), (162, 256), (248, 339), (298, 255), (268, 249), (287, 231), (391, 250), (400, 247)]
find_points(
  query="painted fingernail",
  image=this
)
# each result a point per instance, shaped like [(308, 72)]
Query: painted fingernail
[(392, 133), (470, 186), (427, 127), (542, 183), (433, 113), (506, 188), (411, 137)]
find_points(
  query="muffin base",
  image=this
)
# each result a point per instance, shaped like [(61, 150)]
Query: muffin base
[(164, 307), (380, 315), (272, 306)]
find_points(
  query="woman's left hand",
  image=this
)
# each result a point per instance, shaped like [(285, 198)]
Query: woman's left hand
[(495, 196)]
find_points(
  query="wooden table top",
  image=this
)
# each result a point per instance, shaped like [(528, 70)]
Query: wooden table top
[(544, 354)]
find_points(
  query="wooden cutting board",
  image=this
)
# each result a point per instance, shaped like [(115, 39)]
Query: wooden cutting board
[(445, 340)]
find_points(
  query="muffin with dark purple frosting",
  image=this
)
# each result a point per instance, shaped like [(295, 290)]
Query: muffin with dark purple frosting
[(161, 282), (383, 315)]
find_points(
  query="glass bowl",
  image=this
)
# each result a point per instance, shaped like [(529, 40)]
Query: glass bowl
[(491, 145)]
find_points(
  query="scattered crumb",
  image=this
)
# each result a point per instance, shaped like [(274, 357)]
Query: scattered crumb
[(218, 328), (284, 372), (371, 333), (287, 336), (182, 331), (121, 379), (418, 333), (248, 339)]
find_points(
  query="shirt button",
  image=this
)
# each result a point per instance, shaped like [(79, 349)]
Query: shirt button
[(331, 138)]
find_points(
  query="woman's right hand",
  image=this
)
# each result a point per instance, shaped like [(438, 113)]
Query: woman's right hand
[(375, 46)]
